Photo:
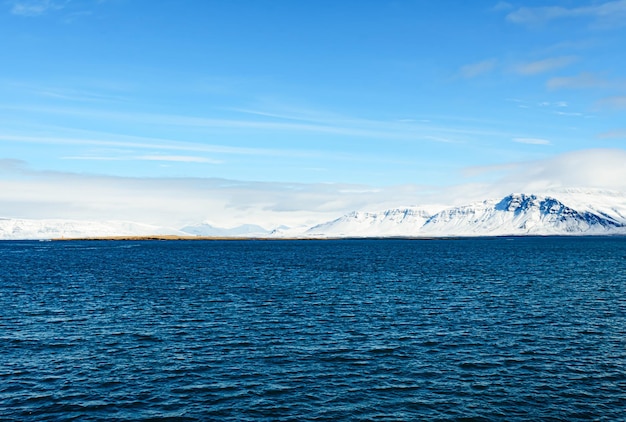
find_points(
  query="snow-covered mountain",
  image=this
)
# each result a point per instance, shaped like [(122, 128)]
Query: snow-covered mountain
[(562, 212), (586, 213), (520, 214), (16, 229)]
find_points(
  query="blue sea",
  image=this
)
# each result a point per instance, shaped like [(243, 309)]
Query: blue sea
[(338, 330)]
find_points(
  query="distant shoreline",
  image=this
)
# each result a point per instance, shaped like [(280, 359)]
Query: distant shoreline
[(158, 237), (222, 238), (176, 237)]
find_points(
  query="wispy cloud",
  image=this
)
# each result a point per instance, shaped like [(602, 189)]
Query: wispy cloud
[(95, 158), (616, 102), (583, 80), (559, 107), (356, 128), (569, 113), (545, 65), (77, 95), (34, 7), (154, 144), (473, 70), (12, 165), (502, 5), (532, 141), (178, 159), (405, 128), (165, 158), (613, 134), (347, 126), (605, 14), (554, 107)]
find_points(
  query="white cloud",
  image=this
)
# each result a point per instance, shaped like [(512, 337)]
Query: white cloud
[(473, 70), (591, 168), (597, 168), (26, 193), (545, 65), (174, 202)]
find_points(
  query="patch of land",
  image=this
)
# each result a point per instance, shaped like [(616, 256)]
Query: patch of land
[(156, 237), (176, 237)]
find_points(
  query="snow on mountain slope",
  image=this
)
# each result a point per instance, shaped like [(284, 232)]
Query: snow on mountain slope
[(18, 229), (609, 203), (519, 214), (285, 232), (395, 222), (591, 213)]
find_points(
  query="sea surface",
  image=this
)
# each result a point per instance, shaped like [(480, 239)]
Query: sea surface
[(338, 330)]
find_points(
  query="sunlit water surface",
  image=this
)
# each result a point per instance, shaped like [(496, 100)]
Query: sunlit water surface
[(473, 329)]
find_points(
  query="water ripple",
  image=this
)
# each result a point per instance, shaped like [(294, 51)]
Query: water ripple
[(471, 330)]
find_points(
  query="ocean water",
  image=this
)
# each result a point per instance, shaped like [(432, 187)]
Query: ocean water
[(341, 330)]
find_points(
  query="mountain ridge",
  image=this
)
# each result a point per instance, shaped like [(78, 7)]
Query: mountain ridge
[(574, 211)]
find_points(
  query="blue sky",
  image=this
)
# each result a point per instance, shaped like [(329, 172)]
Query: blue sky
[(402, 96)]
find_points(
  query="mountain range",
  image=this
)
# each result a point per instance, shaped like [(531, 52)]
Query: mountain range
[(563, 212)]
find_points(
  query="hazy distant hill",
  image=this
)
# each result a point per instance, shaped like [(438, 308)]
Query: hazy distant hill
[(15, 229)]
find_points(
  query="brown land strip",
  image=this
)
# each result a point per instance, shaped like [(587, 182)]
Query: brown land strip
[(160, 237)]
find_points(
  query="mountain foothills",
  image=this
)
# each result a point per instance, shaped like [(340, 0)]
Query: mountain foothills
[(564, 212)]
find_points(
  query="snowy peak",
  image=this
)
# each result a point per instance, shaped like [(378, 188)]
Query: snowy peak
[(516, 203), (521, 203)]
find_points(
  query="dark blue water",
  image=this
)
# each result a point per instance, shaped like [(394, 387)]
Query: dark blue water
[(475, 329)]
